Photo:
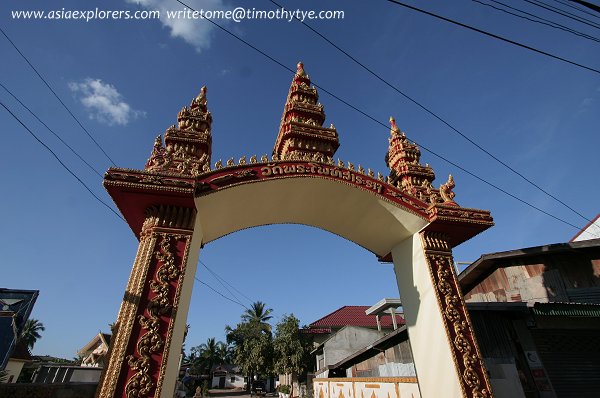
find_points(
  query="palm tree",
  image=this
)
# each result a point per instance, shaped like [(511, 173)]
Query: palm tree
[(206, 355), (224, 353), (31, 332), (257, 313)]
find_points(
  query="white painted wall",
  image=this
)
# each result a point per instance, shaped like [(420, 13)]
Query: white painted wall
[(13, 369)]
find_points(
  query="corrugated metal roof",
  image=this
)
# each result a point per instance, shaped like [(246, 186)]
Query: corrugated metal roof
[(567, 309), (354, 315)]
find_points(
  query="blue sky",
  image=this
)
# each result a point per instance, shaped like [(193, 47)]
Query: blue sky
[(126, 81)]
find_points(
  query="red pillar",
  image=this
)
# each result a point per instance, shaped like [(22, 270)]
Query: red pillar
[(143, 333)]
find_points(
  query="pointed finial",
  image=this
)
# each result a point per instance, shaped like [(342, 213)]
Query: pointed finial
[(300, 69), (202, 93), (201, 98), (393, 124)]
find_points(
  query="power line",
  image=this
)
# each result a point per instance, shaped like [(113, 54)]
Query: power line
[(587, 4), (578, 9), (219, 293), (52, 131), (57, 97), (429, 111), (483, 32), (538, 19), (564, 13), (61, 162), (219, 278), (384, 125)]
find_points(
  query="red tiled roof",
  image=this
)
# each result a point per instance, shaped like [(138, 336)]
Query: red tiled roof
[(354, 315), (312, 330)]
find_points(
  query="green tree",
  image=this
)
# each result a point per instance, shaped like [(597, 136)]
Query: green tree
[(254, 350), (31, 332), (205, 356), (252, 341), (224, 353), (291, 348)]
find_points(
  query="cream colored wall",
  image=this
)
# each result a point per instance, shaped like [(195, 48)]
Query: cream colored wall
[(13, 368), (376, 387), (172, 368), (430, 345)]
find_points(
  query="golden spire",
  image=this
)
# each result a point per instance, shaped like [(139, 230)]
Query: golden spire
[(201, 98), (300, 69), (394, 127)]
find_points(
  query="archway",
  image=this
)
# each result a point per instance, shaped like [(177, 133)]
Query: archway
[(178, 204)]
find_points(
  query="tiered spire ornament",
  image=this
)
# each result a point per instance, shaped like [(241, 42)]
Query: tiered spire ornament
[(408, 174), (188, 145), (301, 133)]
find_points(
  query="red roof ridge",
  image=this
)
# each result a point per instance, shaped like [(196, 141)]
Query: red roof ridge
[(333, 312), (353, 315)]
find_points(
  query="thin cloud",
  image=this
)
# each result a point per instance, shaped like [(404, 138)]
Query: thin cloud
[(196, 32), (103, 102)]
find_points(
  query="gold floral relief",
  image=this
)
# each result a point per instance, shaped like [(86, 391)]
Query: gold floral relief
[(474, 381), (141, 383)]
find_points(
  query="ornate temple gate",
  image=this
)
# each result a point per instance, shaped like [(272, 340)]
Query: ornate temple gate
[(178, 204)]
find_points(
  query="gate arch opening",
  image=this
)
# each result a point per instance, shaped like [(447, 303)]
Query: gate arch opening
[(178, 203)]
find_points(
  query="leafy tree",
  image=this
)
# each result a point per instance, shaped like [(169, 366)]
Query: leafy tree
[(205, 356), (254, 350), (224, 353), (291, 348), (31, 332), (252, 341)]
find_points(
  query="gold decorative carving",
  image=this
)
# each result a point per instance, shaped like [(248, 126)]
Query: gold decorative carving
[(126, 317), (163, 227), (187, 146), (301, 131), (159, 159), (141, 383), (466, 356), (446, 191)]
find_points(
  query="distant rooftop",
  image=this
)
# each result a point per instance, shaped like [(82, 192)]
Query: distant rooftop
[(488, 263), (353, 315), (590, 231)]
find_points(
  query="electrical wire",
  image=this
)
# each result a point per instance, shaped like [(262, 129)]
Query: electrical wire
[(539, 20), (483, 32), (587, 4), (52, 131), (435, 115), (219, 293), (60, 161), (384, 125), (219, 279), (564, 13), (56, 95), (577, 8)]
